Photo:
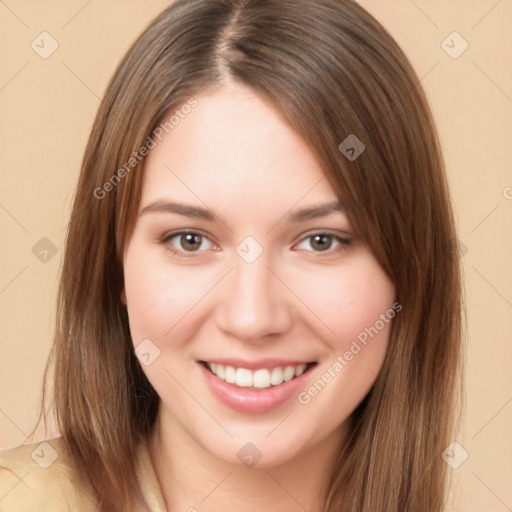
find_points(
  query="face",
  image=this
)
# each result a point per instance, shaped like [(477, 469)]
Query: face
[(257, 313)]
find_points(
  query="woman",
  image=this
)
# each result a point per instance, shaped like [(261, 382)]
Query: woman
[(259, 303)]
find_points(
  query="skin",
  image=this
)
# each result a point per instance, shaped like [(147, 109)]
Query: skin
[(236, 155)]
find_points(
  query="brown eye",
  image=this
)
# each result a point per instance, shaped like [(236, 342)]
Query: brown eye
[(187, 242), (190, 241), (321, 242)]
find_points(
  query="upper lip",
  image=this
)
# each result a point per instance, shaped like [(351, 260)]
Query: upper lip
[(258, 364)]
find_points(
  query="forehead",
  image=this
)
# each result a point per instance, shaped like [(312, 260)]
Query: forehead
[(234, 150)]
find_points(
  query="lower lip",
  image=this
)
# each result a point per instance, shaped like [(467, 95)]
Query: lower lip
[(253, 401)]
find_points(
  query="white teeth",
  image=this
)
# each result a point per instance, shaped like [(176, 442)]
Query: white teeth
[(300, 370), (260, 379), (244, 378), (230, 375), (276, 377), (289, 373)]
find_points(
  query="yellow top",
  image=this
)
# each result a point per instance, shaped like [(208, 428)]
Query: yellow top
[(39, 478)]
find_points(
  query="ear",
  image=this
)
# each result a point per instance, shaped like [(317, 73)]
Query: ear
[(123, 297)]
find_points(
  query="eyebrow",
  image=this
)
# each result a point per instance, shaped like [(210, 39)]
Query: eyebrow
[(186, 210), (312, 212)]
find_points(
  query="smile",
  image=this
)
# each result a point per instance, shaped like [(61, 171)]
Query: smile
[(255, 387), (261, 378)]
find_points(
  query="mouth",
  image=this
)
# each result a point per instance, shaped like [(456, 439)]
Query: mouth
[(260, 378), (255, 387)]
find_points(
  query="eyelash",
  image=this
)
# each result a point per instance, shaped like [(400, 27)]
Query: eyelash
[(342, 242)]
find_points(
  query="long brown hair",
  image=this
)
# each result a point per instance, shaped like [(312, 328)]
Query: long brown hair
[(333, 71)]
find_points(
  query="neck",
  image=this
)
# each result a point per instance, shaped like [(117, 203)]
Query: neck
[(192, 479)]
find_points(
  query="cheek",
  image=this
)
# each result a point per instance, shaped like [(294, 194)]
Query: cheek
[(159, 295), (357, 305), (349, 301)]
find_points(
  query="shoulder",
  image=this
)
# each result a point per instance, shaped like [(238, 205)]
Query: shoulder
[(39, 477)]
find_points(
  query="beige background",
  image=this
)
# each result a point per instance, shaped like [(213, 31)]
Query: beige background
[(47, 107)]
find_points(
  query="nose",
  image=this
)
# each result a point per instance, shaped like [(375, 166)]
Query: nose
[(254, 305)]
